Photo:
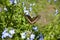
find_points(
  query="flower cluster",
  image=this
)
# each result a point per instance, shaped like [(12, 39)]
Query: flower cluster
[(9, 34), (24, 34), (31, 36), (25, 9)]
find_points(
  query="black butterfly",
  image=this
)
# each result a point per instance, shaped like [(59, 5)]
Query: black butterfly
[(32, 20)]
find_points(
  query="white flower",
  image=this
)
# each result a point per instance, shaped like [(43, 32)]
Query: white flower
[(5, 35), (26, 12), (15, 1), (35, 28), (32, 36), (30, 8), (24, 8), (5, 9), (23, 35), (40, 36), (30, 4), (5, 31), (2, 36), (12, 31), (10, 36), (56, 12)]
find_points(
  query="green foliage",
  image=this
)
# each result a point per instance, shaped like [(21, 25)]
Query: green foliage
[(14, 18)]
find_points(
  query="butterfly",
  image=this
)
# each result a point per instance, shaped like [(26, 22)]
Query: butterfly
[(32, 20)]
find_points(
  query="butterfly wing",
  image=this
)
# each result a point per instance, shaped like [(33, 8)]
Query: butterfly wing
[(32, 20)]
